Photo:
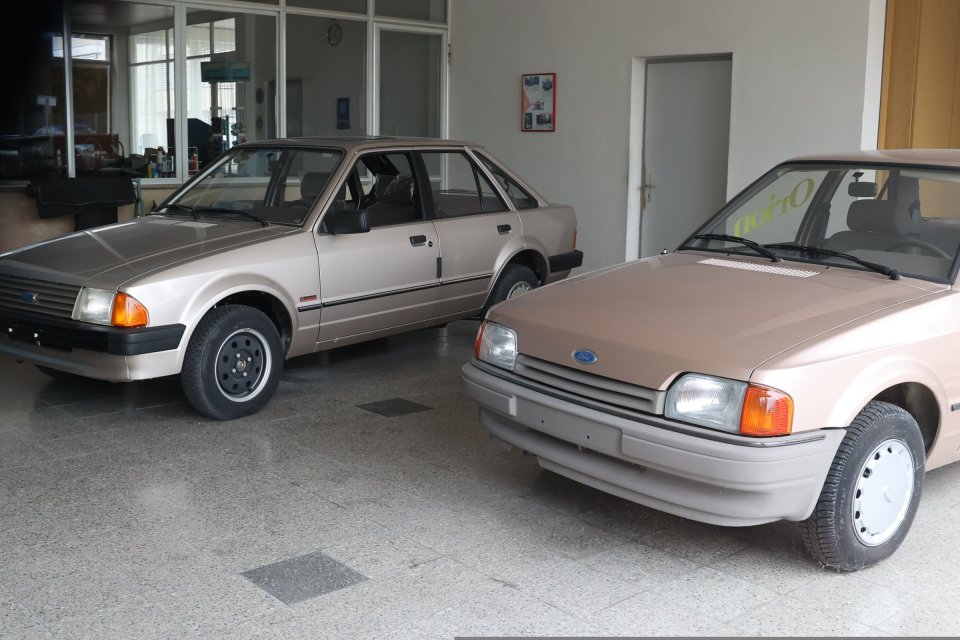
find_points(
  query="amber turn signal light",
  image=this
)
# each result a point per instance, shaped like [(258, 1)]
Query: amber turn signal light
[(476, 342), (766, 412), (128, 312)]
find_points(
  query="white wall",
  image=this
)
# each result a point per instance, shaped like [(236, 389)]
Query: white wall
[(802, 83)]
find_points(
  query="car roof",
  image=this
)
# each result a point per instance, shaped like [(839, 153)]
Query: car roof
[(914, 157), (355, 143)]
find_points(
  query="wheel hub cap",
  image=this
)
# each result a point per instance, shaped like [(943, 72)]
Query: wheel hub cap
[(519, 288), (242, 363), (883, 492)]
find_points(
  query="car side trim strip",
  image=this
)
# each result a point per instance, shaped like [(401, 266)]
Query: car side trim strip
[(485, 276), (374, 296)]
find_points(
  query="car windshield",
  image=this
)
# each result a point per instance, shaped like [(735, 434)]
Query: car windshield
[(265, 185), (893, 220)]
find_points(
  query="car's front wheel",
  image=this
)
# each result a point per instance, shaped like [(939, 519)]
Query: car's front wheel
[(232, 364), (871, 493)]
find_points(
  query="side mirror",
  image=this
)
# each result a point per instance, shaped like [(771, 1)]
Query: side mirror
[(862, 189), (344, 221)]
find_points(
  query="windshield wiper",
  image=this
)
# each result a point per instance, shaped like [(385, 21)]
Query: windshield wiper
[(179, 207), (890, 272), (239, 212), (758, 248)]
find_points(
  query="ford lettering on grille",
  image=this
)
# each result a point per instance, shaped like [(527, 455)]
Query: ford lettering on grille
[(584, 356)]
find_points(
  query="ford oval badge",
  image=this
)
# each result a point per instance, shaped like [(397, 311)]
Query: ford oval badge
[(29, 296), (584, 356)]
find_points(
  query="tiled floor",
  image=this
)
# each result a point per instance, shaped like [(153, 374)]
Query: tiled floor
[(125, 515)]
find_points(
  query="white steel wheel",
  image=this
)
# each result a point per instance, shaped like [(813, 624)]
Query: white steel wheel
[(871, 493), (883, 493)]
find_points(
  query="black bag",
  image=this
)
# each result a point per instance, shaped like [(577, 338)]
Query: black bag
[(94, 200)]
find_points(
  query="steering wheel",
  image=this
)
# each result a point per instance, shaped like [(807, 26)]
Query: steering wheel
[(929, 247)]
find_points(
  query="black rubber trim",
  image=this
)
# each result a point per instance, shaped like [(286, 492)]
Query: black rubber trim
[(336, 303), (566, 261), (395, 292), (67, 335), (650, 419)]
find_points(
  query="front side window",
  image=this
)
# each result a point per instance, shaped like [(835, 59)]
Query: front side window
[(384, 187), (270, 184), (896, 220)]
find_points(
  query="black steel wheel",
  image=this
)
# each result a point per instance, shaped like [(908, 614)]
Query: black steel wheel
[(233, 362)]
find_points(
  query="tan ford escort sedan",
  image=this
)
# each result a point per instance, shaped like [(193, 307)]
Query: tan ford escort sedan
[(795, 358), (282, 248)]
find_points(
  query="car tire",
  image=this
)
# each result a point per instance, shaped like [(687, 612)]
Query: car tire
[(871, 493), (515, 280), (232, 365)]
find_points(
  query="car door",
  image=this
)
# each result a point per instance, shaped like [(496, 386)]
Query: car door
[(385, 277), (477, 230)]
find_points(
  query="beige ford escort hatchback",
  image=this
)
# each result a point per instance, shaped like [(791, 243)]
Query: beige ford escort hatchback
[(795, 358), (282, 248)]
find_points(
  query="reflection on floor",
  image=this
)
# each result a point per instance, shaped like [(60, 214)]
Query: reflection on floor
[(339, 513)]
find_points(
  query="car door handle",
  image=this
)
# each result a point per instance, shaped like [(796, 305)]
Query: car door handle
[(503, 228), (417, 241)]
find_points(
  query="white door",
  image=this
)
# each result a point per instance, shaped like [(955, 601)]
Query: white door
[(685, 147)]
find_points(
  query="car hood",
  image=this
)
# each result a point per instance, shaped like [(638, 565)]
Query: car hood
[(651, 319), (108, 256)]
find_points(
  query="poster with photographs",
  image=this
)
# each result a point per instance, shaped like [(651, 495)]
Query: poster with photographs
[(538, 102)]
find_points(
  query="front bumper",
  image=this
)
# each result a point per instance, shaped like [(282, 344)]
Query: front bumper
[(106, 353), (707, 476)]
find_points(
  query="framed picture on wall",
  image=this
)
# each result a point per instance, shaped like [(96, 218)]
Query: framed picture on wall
[(538, 102)]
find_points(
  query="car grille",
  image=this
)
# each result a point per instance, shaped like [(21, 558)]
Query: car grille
[(36, 296), (589, 385)]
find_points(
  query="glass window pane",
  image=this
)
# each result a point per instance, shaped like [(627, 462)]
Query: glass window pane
[(347, 6), (432, 10), (458, 189), (410, 68), (153, 46), (230, 92), (325, 82), (32, 112), (146, 104), (521, 197)]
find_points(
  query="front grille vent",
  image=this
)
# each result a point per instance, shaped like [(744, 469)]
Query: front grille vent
[(37, 296), (590, 386)]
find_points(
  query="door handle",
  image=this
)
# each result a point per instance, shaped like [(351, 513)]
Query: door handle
[(503, 228), (417, 241)]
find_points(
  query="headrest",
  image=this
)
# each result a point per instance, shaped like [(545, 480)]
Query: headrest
[(311, 184), (881, 216), (394, 189)]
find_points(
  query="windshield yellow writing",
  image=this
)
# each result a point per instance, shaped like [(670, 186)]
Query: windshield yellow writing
[(777, 207)]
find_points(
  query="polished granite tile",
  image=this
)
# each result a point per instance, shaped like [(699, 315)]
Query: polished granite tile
[(124, 514)]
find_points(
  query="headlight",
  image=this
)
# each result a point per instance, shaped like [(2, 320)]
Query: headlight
[(100, 306), (496, 344), (730, 405)]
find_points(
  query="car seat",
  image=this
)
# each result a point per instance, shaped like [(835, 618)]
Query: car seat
[(877, 224)]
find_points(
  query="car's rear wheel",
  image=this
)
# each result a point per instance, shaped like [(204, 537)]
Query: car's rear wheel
[(515, 280), (232, 364), (871, 493)]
